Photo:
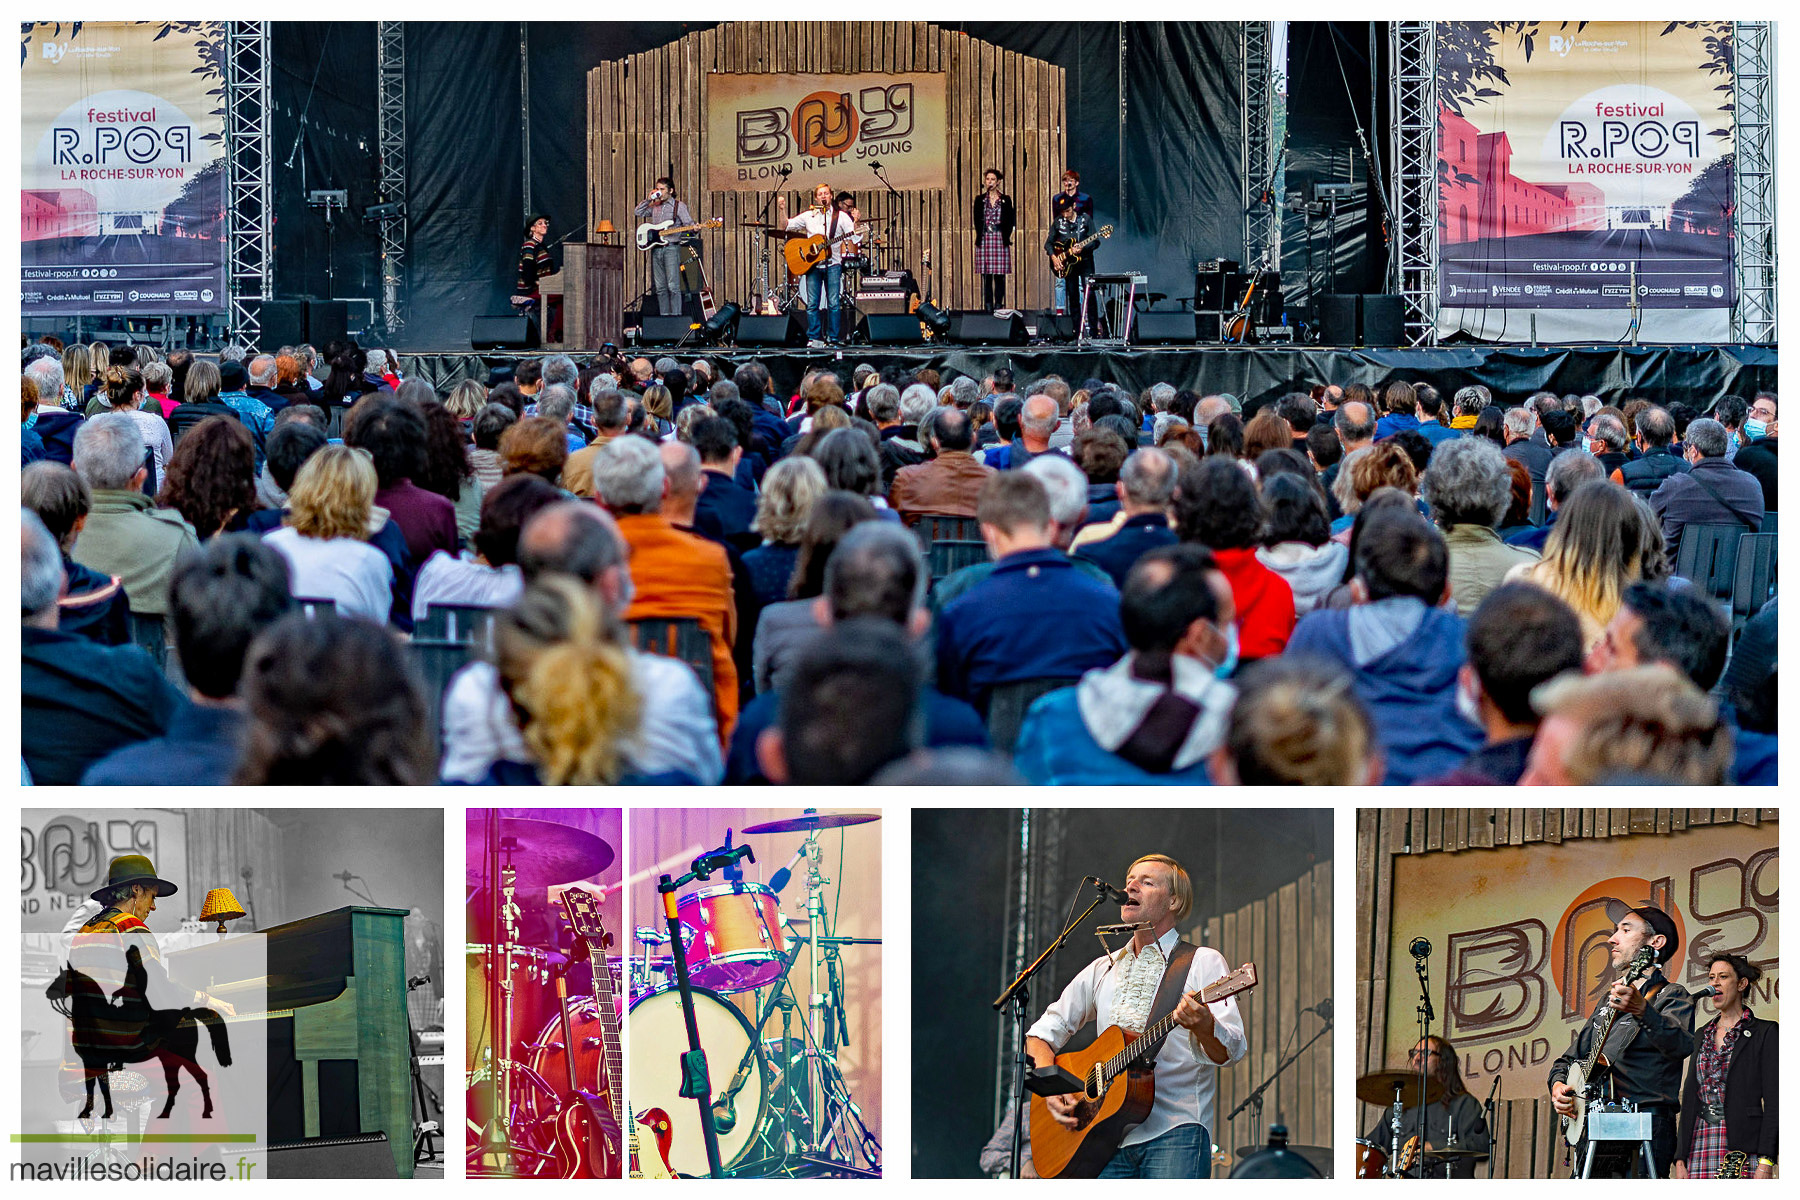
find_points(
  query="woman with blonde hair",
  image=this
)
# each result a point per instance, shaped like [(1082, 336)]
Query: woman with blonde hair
[(466, 399), (789, 491), (99, 355), (659, 403), (326, 538), (126, 388), (1385, 464), (1596, 549), (566, 673), (76, 373)]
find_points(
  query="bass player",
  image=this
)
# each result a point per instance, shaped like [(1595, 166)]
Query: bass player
[(1653, 1033), (1175, 1140), (825, 282), (665, 257)]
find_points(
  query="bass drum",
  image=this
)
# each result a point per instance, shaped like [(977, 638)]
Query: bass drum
[(657, 1034)]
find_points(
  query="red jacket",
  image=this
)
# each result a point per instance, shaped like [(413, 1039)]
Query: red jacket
[(1265, 603)]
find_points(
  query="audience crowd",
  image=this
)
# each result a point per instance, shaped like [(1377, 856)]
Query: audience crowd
[(304, 567)]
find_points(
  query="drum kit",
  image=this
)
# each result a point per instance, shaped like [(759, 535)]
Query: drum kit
[(779, 1104), (1401, 1091), (878, 251)]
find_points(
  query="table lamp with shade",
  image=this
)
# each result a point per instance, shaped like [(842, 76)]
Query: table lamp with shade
[(221, 906)]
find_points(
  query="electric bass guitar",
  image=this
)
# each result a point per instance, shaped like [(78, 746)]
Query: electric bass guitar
[(653, 234), (1063, 255), (583, 1148), (1584, 1076), (1237, 326), (1119, 1088)]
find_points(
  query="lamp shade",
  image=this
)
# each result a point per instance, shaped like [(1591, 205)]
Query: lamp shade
[(605, 227), (221, 906)]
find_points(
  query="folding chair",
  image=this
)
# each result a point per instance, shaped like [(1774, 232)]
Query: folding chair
[(1707, 557), (950, 543), (1009, 702), (684, 638)]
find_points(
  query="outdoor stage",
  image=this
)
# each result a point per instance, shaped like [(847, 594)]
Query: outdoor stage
[(1693, 374)]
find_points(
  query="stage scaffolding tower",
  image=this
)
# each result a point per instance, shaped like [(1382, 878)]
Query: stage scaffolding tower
[(1414, 94), (1753, 182), (250, 263), (391, 149), (1256, 142)]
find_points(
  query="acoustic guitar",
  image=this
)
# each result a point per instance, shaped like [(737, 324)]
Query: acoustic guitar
[(805, 253), (1119, 1088), (1584, 1076)]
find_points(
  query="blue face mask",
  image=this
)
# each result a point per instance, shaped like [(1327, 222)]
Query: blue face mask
[(1225, 669), (1754, 429)]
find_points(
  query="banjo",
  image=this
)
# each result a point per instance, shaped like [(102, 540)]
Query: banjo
[(1585, 1075)]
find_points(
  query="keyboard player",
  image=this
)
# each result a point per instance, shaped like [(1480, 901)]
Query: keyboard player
[(102, 939)]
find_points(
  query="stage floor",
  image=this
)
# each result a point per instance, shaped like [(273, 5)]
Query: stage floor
[(1693, 374)]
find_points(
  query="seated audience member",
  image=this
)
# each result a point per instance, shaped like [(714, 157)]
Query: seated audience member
[(393, 432), (1711, 492), (536, 446), (682, 485), (199, 400), (1297, 722), (1402, 403), (790, 490), (1402, 649), (1145, 488), (849, 709), (448, 472), (1749, 691), (877, 572), (1266, 431), (852, 463), (125, 535), (125, 391), (557, 403), (1354, 426), (1608, 441), (290, 445), (1656, 458), (1007, 412), (79, 700), (1678, 627), (1296, 540), (1518, 426), (1363, 471), (783, 627), (907, 443), (1157, 713), (220, 599), (1101, 452), (489, 425), (673, 574), (487, 575), (1039, 420), (333, 700), (1068, 491), (726, 510), (1468, 488), (982, 642), (1519, 638), (211, 480), (325, 540), (947, 485), (1637, 725), (1759, 452), (1568, 471), (1597, 550), (1217, 506), (1430, 412), (92, 605)]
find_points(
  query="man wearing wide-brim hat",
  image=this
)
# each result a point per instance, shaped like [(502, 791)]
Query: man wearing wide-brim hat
[(129, 896)]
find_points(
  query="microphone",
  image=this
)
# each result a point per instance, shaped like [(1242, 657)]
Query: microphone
[(1420, 948), (1322, 1008), (345, 877), (786, 170), (780, 879), (1112, 892), (874, 164), (1710, 991)]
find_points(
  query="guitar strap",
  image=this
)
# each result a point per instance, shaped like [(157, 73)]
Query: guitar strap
[(1170, 991)]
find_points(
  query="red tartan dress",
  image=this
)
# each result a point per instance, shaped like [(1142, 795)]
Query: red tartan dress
[(1710, 1066), (992, 255)]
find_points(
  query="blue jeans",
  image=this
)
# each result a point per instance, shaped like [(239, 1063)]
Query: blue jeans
[(829, 279), (1185, 1152)]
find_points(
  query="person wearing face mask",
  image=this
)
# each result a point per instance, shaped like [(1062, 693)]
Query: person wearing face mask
[(1758, 453), (1156, 714), (1710, 492)]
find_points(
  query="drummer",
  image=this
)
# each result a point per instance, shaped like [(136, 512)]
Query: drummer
[(1456, 1109)]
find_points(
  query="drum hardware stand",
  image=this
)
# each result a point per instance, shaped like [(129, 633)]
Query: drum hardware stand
[(424, 1099), (1256, 1097), (763, 298), (724, 1109), (694, 1082)]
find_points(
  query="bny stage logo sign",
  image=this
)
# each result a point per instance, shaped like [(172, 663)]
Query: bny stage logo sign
[(1522, 935), (825, 129)]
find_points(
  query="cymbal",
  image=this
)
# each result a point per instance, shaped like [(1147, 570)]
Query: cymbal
[(814, 821), (1318, 1156), (1377, 1088), (1459, 1152), (543, 853)]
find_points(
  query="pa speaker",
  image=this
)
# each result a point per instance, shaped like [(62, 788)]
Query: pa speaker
[(782, 329), (660, 330), (890, 329), (367, 1156), (1049, 326), (1166, 328), (1337, 319), (510, 332), (326, 321), (1383, 321), (283, 324), (988, 329)]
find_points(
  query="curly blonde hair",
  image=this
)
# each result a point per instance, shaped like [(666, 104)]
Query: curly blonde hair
[(1649, 720), (564, 669), (466, 399), (332, 494), (790, 490)]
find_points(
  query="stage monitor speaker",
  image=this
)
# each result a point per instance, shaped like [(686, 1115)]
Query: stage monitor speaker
[(782, 329), (987, 329), (326, 321), (890, 329), (1049, 326), (1383, 320), (283, 324), (366, 1156), (1338, 319), (1166, 328), (510, 332), (666, 331)]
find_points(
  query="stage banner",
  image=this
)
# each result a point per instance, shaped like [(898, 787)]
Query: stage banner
[(122, 193), (1578, 159), (1519, 956), (826, 128)]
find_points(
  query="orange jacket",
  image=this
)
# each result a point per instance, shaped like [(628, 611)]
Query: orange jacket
[(676, 574)]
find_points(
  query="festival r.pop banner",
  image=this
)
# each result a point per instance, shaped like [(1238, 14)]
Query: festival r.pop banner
[(826, 128), (1579, 159), (1519, 934), (122, 193)]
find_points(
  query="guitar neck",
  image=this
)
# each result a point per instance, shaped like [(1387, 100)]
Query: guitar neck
[(1151, 1039)]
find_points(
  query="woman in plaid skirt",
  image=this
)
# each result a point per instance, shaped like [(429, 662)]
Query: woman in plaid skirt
[(993, 218), (1729, 1103)]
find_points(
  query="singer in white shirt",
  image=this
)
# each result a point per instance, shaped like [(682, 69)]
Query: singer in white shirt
[(1175, 1140), (825, 282)]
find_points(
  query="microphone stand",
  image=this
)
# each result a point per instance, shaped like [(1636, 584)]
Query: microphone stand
[(1017, 993), (1488, 1104), (762, 219), (1426, 1016), (1256, 1097)]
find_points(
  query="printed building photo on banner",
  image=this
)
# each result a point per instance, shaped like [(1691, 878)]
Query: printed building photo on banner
[(1196, 1044), (759, 930), (544, 965), (1567, 992), (243, 994)]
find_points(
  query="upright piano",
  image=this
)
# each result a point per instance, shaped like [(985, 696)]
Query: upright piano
[(333, 1007)]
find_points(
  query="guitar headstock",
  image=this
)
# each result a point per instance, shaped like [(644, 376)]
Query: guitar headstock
[(1106, 231), (1642, 966), (714, 223), (1240, 980), (583, 908)]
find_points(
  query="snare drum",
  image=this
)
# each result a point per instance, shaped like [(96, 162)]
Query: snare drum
[(1370, 1159), (733, 936), (658, 1034)]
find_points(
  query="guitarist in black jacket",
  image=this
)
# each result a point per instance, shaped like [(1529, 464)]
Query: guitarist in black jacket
[(1652, 1035), (1071, 220)]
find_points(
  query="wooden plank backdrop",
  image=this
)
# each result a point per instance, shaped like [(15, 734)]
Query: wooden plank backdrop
[(1527, 1144), (648, 111), (1288, 935)]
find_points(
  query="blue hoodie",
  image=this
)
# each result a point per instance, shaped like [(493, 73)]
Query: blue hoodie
[(1402, 658)]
